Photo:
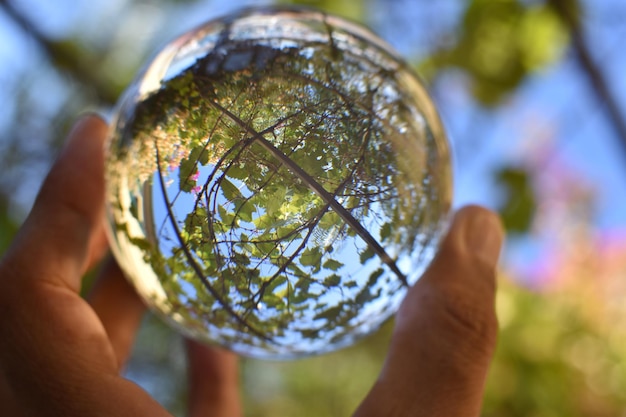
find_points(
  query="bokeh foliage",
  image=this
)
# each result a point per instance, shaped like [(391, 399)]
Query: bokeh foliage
[(501, 43), (559, 354)]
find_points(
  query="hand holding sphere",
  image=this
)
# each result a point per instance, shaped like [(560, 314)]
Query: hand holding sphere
[(316, 209)]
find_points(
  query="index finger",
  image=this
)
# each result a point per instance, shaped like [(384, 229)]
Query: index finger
[(65, 225)]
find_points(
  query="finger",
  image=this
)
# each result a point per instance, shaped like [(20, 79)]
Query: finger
[(99, 247), (213, 382), (446, 328), (64, 226), (119, 308)]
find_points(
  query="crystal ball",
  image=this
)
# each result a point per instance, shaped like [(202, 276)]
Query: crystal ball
[(277, 179)]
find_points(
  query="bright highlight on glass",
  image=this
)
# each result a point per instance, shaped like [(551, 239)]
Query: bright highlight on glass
[(276, 180)]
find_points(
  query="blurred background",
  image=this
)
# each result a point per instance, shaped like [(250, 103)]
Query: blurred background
[(533, 94)]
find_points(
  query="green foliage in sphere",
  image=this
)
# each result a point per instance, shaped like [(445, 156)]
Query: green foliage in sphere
[(276, 180)]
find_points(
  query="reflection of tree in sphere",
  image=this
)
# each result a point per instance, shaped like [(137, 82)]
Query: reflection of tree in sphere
[(276, 181)]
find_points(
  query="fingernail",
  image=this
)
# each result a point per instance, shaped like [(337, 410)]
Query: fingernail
[(484, 236)]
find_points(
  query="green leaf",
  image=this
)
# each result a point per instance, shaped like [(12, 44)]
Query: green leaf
[(196, 220), (245, 211), (330, 220), (374, 277), (187, 169), (385, 231), (542, 37), (273, 205), (311, 257), (198, 156), (266, 247), (241, 259), (297, 271), (351, 284), (331, 314), (226, 217), (236, 172), (230, 191), (229, 279), (276, 282), (261, 222), (366, 296), (518, 211), (332, 264), (272, 301), (332, 280), (203, 159), (303, 284), (298, 297), (368, 253), (310, 333)]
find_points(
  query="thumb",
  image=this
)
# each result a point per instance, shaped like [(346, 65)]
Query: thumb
[(446, 328)]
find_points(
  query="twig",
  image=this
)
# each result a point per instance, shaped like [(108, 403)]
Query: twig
[(63, 58), (594, 75)]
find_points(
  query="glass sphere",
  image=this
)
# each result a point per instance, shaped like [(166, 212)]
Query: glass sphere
[(276, 180)]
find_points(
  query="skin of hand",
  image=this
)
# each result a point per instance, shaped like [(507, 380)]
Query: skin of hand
[(61, 355)]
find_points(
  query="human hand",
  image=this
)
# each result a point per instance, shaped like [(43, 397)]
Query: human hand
[(61, 355), (445, 331)]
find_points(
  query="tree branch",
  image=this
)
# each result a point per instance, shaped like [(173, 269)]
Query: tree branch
[(320, 191), (197, 269), (64, 58), (593, 72)]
